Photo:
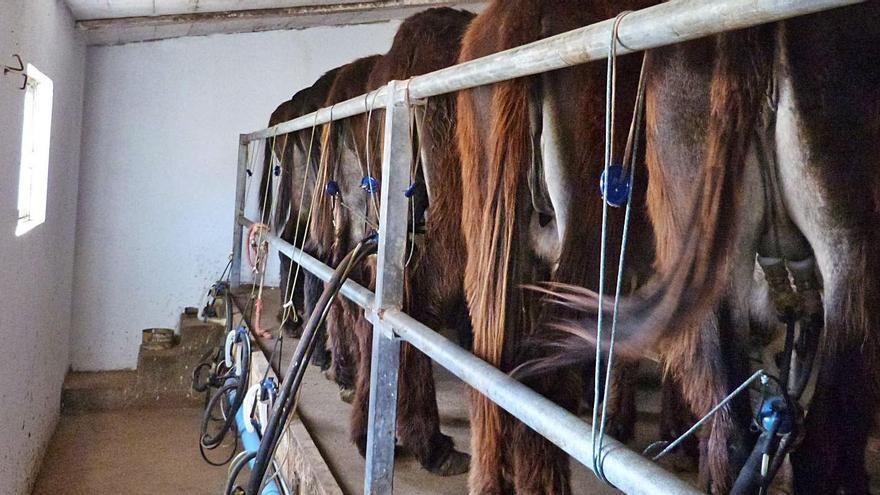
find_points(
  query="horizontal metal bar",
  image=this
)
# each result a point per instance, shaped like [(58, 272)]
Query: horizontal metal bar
[(660, 25), (353, 291), (625, 469)]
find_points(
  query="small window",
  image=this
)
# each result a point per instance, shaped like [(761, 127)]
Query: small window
[(35, 137)]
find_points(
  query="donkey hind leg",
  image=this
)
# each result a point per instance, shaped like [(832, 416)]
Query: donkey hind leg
[(832, 455), (707, 367), (344, 347), (418, 419), (289, 290), (363, 331), (487, 474), (539, 467), (621, 411), (312, 289), (676, 417)]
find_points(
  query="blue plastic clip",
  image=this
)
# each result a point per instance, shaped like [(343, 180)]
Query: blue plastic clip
[(269, 383), (268, 387), (615, 190), (332, 188), (774, 409), (370, 184), (411, 190)]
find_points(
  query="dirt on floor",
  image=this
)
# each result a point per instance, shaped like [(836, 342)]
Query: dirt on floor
[(131, 452)]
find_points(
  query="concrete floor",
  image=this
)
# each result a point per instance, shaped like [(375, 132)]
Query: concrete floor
[(132, 452)]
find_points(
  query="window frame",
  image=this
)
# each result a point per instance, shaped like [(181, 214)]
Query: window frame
[(36, 139)]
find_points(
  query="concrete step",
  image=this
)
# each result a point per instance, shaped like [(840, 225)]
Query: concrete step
[(85, 392), (163, 378)]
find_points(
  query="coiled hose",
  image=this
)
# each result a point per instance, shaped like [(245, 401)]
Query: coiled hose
[(234, 389), (286, 402)]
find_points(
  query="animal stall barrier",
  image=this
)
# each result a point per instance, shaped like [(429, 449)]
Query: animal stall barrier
[(661, 25)]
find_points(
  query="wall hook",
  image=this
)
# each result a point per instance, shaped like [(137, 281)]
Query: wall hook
[(19, 70)]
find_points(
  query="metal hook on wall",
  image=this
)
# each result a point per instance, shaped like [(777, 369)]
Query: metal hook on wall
[(19, 70)]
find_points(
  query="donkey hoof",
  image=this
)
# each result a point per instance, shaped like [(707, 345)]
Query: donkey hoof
[(346, 394), (455, 463), (329, 375)]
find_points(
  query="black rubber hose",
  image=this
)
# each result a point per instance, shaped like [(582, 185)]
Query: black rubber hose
[(197, 384), (750, 479), (220, 395), (284, 405), (235, 470), (206, 420), (240, 385)]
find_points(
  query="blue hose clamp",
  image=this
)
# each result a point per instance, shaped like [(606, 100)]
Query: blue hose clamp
[(268, 388), (774, 409), (615, 188), (370, 184)]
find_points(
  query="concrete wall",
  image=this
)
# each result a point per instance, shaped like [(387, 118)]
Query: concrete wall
[(37, 268), (159, 157)]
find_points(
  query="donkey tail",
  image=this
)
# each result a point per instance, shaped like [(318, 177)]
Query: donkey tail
[(492, 233), (691, 279)]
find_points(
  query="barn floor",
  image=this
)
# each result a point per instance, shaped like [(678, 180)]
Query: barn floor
[(326, 418), (135, 452)]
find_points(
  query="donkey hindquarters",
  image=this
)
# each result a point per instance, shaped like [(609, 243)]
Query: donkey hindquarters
[(828, 148)]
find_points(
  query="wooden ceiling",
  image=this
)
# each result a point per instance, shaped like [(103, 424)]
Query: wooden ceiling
[(108, 22)]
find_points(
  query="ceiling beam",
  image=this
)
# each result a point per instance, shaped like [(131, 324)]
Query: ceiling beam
[(107, 9), (150, 28)]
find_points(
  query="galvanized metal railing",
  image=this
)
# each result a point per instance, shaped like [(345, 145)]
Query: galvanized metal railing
[(661, 25)]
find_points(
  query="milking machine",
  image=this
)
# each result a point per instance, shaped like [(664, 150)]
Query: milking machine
[(796, 294), (230, 380), (285, 403), (251, 421), (223, 377), (237, 355)]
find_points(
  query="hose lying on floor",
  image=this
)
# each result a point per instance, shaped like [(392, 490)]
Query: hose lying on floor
[(286, 402)]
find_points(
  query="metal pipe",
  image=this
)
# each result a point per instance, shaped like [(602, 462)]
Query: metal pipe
[(627, 470), (385, 358), (660, 25), (237, 234)]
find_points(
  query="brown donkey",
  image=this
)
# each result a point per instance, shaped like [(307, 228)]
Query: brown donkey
[(296, 154), (331, 230), (759, 142), (532, 153), (425, 42)]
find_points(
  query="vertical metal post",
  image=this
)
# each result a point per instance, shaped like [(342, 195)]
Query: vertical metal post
[(237, 233), (396, 159)]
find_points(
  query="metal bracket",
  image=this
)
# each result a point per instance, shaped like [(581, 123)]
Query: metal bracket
[(18, 70)]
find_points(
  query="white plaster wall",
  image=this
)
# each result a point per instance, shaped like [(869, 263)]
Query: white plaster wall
[(36, 270), (157, 179)]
